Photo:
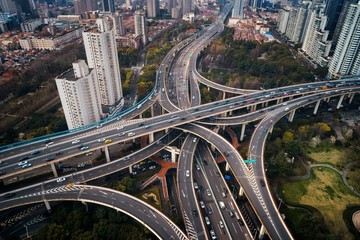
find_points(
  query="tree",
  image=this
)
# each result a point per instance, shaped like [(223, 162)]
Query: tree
[(53, 232), (127, 184), (288, 137)]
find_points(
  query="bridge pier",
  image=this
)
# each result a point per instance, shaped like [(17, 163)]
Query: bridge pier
[(152, 111), (224, 95), (327, 99), (271, 129), (173, 155), (316, 107), (266, 103), (253, 108), (262, 232), (241, 191), (53, 168), (351, 96), (291, 115), (208, 88), (130, 169), (242, 131), (279, 100), (47, 205), (291, 98), (340, 101), (230, 113), (140, 116), (107, 155), (227, 167), (151, 137)]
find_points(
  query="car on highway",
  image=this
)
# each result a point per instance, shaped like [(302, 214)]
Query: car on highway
[(2, 173), (89, 153), (99, 126), (9, 195), (210, 211), (108, 141), (119, 128), (198, 167), (194, 140), (49, 158), (100, 140), (213, 235), (207, 221), (196, 187), (35, 152), (75, 141), (231, 214), (195, 212), (286, 109), (208, 192), (22, 163), (187, 173), (221, 224), (58, 153), (262, 183), (59, 180), (26, 165), (83, 147), (48, 141), (202, 204)]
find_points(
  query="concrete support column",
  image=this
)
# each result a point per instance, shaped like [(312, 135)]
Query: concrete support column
[(47, 205), (208, 88), (130, 169), (262, 104), (351, 96), (327, 99), (230, 113), (107, 155), (316, 107), (152, 111), (253, 108), (279, 100), (224, 95), (291, 115), (151, 137), (223, 114), (262, 232), (242, 131), (266, 104), (340, 101), (173, 156), (271, 129), (227, 167), (241, 192), (140, 116), (163, 111), (291, 97), (166, 130), (53, 168)]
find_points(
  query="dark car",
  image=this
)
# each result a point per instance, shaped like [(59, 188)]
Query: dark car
[(262, 183), (58, 153), (2, 173), (195, 212), (9, 195)]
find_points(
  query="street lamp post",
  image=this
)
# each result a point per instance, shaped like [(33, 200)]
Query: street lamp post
[(280, 199), (27, 232)]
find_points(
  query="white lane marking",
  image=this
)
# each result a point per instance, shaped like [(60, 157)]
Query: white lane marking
[(103, 192)]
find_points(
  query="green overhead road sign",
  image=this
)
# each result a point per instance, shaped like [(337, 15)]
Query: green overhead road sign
[(249, 161)]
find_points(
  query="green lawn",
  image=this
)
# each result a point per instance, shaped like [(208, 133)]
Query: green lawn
[(353, 178), (335, 157), (152, 197), (325, 191)]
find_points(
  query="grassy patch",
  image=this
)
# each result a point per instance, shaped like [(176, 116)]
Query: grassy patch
[(334, 157), (325, 191), (152, 197), (353, 178)]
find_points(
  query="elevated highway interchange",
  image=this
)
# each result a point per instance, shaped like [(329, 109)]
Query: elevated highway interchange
[(185, 113)]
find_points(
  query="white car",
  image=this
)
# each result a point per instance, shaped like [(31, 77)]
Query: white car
[(187, 173), (59, 180), (207, 220), (22, 163), (101, 140), (202, 204), (75, 141), (119, 128)]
